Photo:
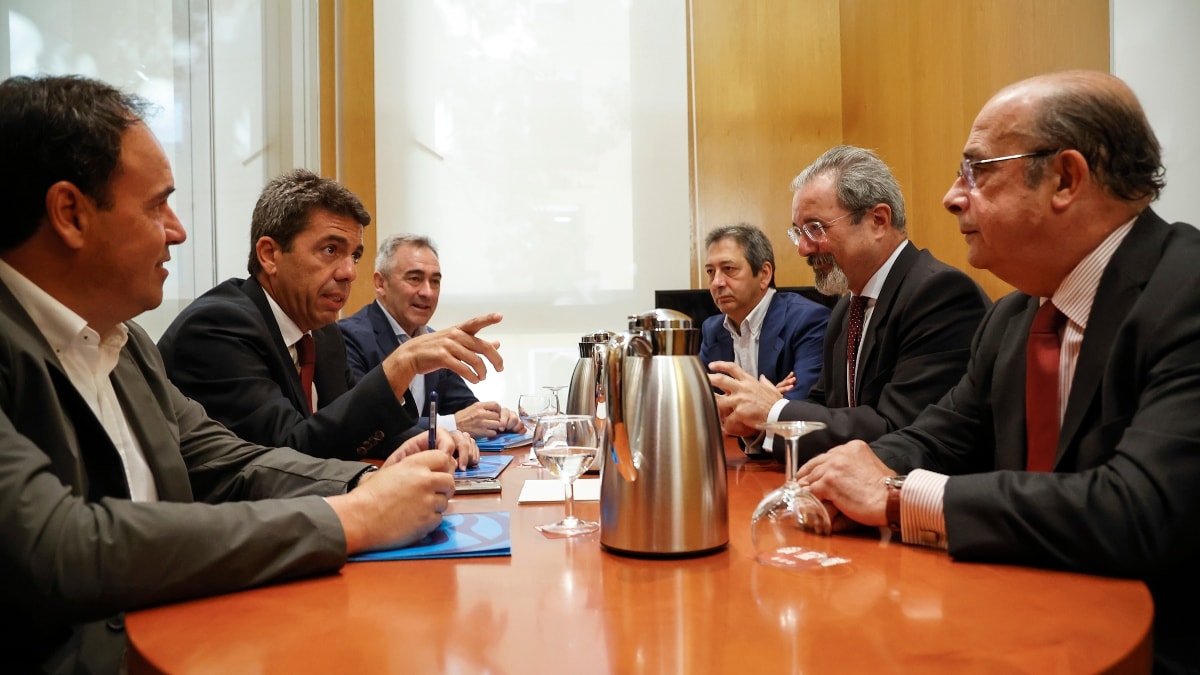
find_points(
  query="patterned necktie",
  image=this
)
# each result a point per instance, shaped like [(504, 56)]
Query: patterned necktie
[(858, 309), (306, 354), (410, 403), (1041, 388)]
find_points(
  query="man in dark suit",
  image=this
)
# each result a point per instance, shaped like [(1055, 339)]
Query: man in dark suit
[(408, 284), (237, 349), (1073, 441), (117, 492), (914, 315), (773, 336)]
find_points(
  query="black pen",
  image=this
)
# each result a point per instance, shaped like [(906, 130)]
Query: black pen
[(433, 420)]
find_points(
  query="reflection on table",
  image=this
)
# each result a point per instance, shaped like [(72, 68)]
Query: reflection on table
[(560, 605)]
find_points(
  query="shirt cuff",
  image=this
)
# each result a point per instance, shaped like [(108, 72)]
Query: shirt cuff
[(447, 422), (922, 520), (773, 416)]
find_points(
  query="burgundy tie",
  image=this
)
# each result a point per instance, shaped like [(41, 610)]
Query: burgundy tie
[(858, 309), (306, 354), (1041, 388)]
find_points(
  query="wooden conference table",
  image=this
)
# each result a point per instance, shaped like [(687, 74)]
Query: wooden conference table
[(563, 605)]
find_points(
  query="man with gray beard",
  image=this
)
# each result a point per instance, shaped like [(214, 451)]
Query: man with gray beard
[(896, 342)]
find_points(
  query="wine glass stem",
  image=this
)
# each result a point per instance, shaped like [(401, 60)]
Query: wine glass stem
[(792, 460), (569, 501)]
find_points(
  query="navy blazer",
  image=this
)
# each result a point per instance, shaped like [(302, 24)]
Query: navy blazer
[(915, 348), (225, 350), (1123, 499), (369, 339), (790, 341)]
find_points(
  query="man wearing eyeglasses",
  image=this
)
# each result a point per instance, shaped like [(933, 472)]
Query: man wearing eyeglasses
[(896, 343), (1073, 442)]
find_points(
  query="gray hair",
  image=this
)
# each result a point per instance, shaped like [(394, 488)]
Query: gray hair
[(754, 244), (862, 180), (384, 260)]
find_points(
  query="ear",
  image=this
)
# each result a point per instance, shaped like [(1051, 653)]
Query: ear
[(70, 213), (765, 274), (379, 287), (881, 217), (267, 250), (1071, 172)]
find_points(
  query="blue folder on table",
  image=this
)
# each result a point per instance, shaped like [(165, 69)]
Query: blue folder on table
[(461, 535), (505, 441), (488, 467)]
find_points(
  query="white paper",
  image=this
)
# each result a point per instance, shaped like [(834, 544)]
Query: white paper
[(586, 490)]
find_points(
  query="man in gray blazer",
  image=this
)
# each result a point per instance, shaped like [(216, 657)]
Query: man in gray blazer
[(916, 314), (1073, 440), (116, 491)]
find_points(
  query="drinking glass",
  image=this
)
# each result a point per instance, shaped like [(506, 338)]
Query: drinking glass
[(529, 408), (555, 398), (566, 446), (790, 527)]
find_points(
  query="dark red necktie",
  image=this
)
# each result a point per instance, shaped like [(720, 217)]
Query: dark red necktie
[(858, 310), (1041, 388), (306, 354)]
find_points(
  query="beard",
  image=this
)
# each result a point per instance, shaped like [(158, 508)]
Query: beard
[(829, 281)]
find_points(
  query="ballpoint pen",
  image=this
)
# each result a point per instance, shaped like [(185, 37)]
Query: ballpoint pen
[(433, 413)]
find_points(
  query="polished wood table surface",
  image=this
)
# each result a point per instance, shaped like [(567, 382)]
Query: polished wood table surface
[(564, 605)]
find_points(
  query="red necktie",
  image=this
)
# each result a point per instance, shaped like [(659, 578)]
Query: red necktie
[(306, 354), (1041, 388), (858, 309)]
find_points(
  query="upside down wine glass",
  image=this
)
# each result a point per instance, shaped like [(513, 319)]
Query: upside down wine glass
[(790, 527), (529, 408), (566, 446)]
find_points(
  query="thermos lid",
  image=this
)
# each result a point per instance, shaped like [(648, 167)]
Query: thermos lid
[(591, 339), (660, 319)]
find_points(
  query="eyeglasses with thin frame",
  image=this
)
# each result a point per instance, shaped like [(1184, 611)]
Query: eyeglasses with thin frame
[(813, 229), (966, 170)]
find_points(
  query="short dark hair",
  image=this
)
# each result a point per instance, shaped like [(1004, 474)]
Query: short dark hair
[(384, 263), (58, 128), (284, 207), (862, 180), (1099, 116), (755, 245)]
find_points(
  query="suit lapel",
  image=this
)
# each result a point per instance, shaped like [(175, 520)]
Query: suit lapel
[(837, 396), (880, 315), (1008, 407), (283, 357), (152, 432), (770, 339), (1120, 287)]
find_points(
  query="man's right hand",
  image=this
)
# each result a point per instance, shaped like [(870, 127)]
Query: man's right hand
[(480, 419), (745, 400), (398, 505), (457, 349)]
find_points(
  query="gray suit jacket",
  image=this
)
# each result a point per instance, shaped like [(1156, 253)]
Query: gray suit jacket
[(1124, 497), (73, 548), (915, 348)]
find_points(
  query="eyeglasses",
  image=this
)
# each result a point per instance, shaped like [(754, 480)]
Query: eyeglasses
[(966, 170), (813, 229)]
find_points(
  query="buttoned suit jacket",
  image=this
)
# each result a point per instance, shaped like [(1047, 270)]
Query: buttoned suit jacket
[(1124, 496), (369, 339), (791, 339), (75, 549), (915, 348), (226, 351)]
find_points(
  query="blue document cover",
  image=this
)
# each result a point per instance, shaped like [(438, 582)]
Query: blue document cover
[(488, 467), (505, 441), (461, 535)]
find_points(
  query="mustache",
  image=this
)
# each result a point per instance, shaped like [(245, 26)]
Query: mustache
[(825, 259)]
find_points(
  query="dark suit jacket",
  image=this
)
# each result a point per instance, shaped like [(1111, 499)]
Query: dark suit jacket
[(74, 549), (790, 341), (915, 348), (1124, 497), (225, 351), (369, 339)]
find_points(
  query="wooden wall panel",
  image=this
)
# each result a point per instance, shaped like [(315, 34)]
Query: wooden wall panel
[(915, 73), (766, 99)]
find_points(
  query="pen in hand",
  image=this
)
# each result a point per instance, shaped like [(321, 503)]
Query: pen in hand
[(433, 413)]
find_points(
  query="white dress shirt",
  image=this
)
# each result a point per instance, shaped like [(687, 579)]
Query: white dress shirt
[(291, 334)]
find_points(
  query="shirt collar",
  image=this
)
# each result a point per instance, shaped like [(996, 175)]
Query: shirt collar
[(754, 320), (874, 285), (57, 322), (396, 329), (1077, 292), (288, 329)]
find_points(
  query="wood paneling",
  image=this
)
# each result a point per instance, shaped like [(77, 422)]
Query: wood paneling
[(766, 100), (348, 116), (774, 84), (915, 73)]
